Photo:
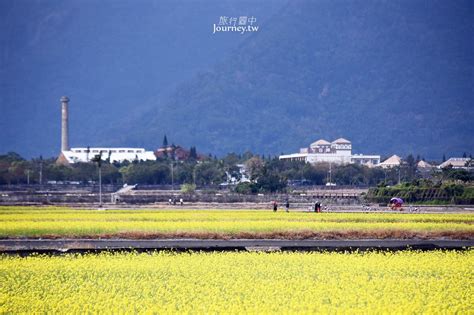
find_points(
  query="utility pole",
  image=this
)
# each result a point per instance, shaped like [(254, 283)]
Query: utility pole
[(194, 175), (100, 179), (98, 159), (399, 177), (41, 171), (100, 186), (27, 177), (172, 176), (330, 173), (87, 153)]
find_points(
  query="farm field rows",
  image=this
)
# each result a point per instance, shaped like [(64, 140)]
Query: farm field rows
[(65, 222), (239, 282)]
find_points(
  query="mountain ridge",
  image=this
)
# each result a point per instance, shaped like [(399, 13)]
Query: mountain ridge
[(381, 74)]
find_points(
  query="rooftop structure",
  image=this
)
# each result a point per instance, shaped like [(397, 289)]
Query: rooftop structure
[(338, 152), (424, 165), (177, 153), (85, 155), (392, 161), (456, 163)]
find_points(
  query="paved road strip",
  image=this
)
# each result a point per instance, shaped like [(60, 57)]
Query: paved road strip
[(65, 245)]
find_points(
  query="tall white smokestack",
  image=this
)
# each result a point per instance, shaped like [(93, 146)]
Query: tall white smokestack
[(64, 124)]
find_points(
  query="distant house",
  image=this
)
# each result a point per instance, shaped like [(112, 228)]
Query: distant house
[(176, 152), (241, 177), (172, 151), (393, 161), (460, 163), (338, 152), (425, 169), (422, 165)]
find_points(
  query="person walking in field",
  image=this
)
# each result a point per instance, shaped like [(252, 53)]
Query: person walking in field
[(318, 207), (275, 206), (287, 205)]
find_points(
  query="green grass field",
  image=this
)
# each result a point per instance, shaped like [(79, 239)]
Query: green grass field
[(64, 222)]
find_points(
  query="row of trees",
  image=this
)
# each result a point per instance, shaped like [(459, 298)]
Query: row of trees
[(266, 174), (425, 191), (16, 170)]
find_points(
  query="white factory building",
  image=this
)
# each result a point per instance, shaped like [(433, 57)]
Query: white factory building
[(337, 152), (75, 155)]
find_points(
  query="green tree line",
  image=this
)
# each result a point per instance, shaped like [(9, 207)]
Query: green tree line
[(265, 174)]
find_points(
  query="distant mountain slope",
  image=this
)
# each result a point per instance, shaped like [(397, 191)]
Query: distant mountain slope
[(111, 57), (392, 76)]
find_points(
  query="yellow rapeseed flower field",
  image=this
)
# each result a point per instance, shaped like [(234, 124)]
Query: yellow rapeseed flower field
[(38, 222), (407, 282)]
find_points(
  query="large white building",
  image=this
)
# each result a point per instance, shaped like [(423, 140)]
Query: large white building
[(337, 152), (75, 155)]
